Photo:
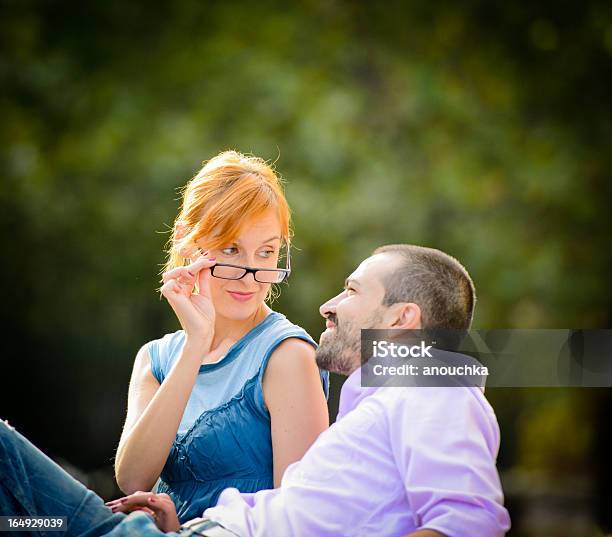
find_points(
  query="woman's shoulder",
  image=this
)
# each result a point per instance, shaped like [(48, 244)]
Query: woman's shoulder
[(281, 327), (163, 351), (292, 355), (167, 342)]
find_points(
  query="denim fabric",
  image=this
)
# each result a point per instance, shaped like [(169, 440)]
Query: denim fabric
[(138, 524), (31, 484)]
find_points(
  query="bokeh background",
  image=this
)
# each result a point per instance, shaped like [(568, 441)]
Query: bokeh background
[(481, 128)]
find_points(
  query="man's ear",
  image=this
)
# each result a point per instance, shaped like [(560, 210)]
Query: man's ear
[(407, 316)]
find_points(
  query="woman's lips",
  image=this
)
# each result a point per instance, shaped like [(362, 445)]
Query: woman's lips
[(241, 297)]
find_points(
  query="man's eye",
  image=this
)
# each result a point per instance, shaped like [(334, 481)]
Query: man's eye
[(349, 290)]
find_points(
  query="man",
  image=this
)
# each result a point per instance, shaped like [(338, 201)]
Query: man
[(417, 462)]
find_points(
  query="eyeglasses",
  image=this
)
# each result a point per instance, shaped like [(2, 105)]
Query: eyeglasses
[(226, 271)]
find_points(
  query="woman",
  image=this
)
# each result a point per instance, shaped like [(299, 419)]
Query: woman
[(235, 396)]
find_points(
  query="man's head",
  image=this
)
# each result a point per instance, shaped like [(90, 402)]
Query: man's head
[(399, 286)]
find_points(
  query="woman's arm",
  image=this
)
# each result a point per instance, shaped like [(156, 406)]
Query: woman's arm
[(296, 402), (154, 411), (153, 416)]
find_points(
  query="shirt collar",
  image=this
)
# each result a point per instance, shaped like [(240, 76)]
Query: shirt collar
[(352, 393)]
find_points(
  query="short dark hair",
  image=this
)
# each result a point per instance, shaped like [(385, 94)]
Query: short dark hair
[(437, 282)]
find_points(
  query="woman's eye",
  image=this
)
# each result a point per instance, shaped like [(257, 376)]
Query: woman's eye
[(229, 250), (266, 253), (349, 290)]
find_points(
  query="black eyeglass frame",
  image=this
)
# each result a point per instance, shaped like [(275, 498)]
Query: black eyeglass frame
[(251, 270)]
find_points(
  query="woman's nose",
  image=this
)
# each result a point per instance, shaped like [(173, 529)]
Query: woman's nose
[(248, 260)]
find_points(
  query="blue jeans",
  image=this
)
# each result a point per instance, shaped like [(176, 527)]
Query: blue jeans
[(32, 484)]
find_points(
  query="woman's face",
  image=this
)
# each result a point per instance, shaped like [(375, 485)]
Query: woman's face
[(257, 246)]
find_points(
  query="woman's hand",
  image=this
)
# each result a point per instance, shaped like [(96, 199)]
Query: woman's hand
[(195, 312), (159, 506)]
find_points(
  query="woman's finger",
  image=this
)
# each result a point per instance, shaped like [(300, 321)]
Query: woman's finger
[(147, 510), (170, 289), (204, 277), (178, 272), (123, 498), (200, 263), (197, 254), (128, 503), (115, 501), (161, 505), (190, 271)]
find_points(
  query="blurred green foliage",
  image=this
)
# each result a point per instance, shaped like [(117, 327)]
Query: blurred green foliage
[(482, 129)]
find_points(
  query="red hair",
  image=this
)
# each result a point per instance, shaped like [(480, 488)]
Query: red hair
[(230, 190)]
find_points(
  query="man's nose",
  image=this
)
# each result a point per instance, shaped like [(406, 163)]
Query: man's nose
[(330, 306)]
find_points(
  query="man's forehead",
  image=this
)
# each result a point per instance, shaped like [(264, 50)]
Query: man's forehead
[(372, 269)]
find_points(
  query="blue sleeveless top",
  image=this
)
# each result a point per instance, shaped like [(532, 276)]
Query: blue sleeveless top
[(224, 437)]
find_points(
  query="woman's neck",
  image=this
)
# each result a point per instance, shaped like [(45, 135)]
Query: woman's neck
[(233, 329)]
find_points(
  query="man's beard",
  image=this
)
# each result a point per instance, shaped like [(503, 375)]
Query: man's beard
[(340, 350)]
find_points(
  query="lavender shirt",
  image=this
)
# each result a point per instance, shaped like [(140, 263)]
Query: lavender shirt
[(396, 460)]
